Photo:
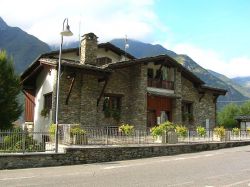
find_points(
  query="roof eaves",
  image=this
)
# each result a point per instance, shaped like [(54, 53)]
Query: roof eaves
[(31, 66), (74, 64), (218, 90)]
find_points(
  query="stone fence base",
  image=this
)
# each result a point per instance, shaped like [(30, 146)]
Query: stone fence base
[(105, 154)]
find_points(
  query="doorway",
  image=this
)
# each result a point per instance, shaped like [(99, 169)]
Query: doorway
[(151, 118)]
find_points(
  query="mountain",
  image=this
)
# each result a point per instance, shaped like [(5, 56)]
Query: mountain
[(235, 91), (243, 81), (23, 47)]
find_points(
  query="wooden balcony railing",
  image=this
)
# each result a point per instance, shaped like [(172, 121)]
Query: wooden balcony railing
[(161, 84)]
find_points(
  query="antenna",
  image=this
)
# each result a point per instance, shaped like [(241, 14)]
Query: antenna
[(126, 46)]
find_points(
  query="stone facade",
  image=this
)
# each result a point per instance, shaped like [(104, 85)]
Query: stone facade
[(89, 49), (203, 106), (82, 107), (131, 84), (177, 101)]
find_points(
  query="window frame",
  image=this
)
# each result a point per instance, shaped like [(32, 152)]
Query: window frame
[(47, 101), (114, 102)]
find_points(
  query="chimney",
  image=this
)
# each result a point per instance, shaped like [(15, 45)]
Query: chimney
[(89, 49)]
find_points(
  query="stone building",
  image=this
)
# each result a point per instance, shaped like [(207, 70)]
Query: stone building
[(101, 85)]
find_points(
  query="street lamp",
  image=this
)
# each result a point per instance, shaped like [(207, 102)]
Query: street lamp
[(65, 32)]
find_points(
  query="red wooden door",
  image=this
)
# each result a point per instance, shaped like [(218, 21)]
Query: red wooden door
[(29, 105)]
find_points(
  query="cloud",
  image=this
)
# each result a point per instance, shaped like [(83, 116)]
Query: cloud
[(213, 60), (111, 19), (107, 18)]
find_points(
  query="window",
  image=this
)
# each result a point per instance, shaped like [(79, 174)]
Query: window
[(187, 111), (150, 73), (112, 103), (158, 74), (112, 106), (48, 101)]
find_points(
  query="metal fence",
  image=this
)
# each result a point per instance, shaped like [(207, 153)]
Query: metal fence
[(112, 136), (104, 136), (21, 141), (210, 136)]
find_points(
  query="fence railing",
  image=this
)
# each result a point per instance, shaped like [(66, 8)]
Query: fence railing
[(112, 136), (21, 141), (105, 136), (211, 136), (161, 84)]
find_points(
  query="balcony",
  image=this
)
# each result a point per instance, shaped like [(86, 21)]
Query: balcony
[(164, 84)]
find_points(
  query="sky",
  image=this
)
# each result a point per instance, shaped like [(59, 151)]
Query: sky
[(214, 33)]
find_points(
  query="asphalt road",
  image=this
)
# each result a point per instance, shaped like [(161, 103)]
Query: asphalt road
[(227, 167)]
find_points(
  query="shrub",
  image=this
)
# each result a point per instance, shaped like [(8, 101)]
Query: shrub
[(160, 129), (77, 130), (157, 131), (52, 130), (44, 112), (13, 138), (236, 131), (126, 129), (201, 131), (248, 130), (18, 138), (181, 131), (220, 132), (168, 126)]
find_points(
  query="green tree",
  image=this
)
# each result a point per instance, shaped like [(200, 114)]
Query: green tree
[(227, 114), (245, 108), (10, 109)]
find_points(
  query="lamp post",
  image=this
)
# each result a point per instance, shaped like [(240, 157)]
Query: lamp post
[(65, 32)]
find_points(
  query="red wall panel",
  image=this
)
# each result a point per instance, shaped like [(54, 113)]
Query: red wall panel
[(159, 103)]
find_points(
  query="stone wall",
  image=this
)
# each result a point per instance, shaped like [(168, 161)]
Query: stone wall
[(89, 49), (69, 113), (177, 115), (131, 83), (203, 108), (105, 154), (82, 107), (206, 109)]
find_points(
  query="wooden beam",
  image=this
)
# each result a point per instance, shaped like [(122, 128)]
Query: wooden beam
[(70, 88), (31, 74), (159, 71), (102, 92)]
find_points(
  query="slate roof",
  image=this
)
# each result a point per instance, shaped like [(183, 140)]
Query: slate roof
[(48, 59), (243, 118)]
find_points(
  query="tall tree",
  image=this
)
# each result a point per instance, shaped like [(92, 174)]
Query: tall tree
[(227, 114), (10, 109), (245, 108)]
